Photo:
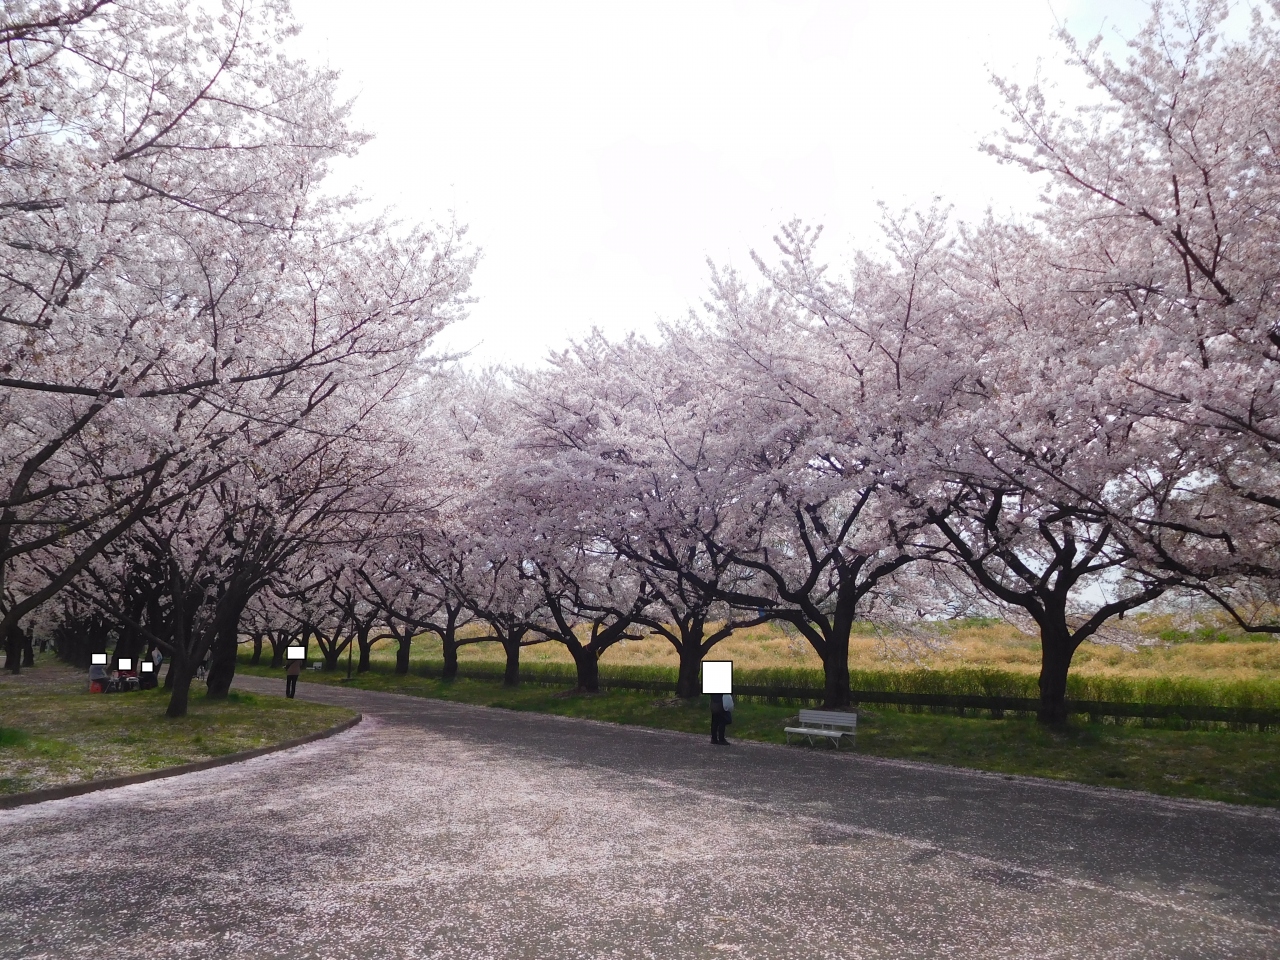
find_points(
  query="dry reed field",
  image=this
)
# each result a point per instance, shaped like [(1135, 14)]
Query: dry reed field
[(1159, 647)]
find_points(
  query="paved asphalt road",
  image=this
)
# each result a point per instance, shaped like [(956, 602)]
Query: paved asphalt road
[(450, 831)]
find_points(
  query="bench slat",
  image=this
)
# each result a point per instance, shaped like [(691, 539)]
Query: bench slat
[(832, 718), (804, 731)]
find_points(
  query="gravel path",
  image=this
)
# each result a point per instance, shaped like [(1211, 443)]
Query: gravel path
[(450, 831)]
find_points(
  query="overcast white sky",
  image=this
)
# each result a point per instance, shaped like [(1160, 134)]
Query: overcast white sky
[(601, 152)]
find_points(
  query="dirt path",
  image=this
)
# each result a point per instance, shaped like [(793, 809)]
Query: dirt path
[(443, 830)]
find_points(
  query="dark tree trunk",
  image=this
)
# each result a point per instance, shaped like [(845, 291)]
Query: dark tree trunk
[(402, 651), (366, 647), (130, 643), (584, 658), (13, 650), (511, 644), (181, 673), (1056, 651), (279, 644), (835, 649), (257, 650), (690, 652), (226, 643), (332, 653), (449, 644), (835, 667), (28, 651)]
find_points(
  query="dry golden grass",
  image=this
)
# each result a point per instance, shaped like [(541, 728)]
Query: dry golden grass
[(992, 644)]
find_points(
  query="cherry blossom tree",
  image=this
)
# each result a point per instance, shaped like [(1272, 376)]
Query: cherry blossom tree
[(1162, 204), (171, 273)]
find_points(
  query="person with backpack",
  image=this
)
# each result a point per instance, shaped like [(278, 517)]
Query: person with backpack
[(721, 717)]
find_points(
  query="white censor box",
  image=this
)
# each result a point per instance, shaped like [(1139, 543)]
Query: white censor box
[(296, 653), (717, 676), (98, 659), (148, 666), (126, 663)]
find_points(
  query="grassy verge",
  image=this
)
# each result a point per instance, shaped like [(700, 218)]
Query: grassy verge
[(51, 738), (1237, 767)]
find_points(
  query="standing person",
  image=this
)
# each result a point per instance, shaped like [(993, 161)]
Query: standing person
[(719, 720), (291, 678)]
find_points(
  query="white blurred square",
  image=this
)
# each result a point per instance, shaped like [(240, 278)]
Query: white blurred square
[(148, 666), (717, 676), (296, 653), (126, 663), (98, 659)]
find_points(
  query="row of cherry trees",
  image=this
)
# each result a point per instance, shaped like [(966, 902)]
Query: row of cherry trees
[(221, 425), (203, 354), (1068, 416), (1077, 413)]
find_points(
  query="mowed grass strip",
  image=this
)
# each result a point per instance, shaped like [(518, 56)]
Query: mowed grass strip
[(50, 739), (1232, 766)]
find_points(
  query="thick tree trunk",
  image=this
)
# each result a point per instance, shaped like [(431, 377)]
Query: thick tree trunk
[(181, 673), (13, 650), (835, 651), (1056, 651), (130, 643), (588, 667), (402, 652), (332, 654), (511, 677), (257, 650), (28, 651), (449, 644), (279, 644), (690, 653), (835, 668), (366, 647), (226, 644)]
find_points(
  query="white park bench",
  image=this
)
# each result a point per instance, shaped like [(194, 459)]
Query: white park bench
[(832, 724)]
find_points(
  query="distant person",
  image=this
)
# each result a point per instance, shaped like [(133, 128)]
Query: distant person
[(721, 717), (291, 675)]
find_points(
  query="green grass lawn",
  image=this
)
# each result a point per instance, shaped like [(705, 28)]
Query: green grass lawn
[(1237, 767), (55, 736)]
